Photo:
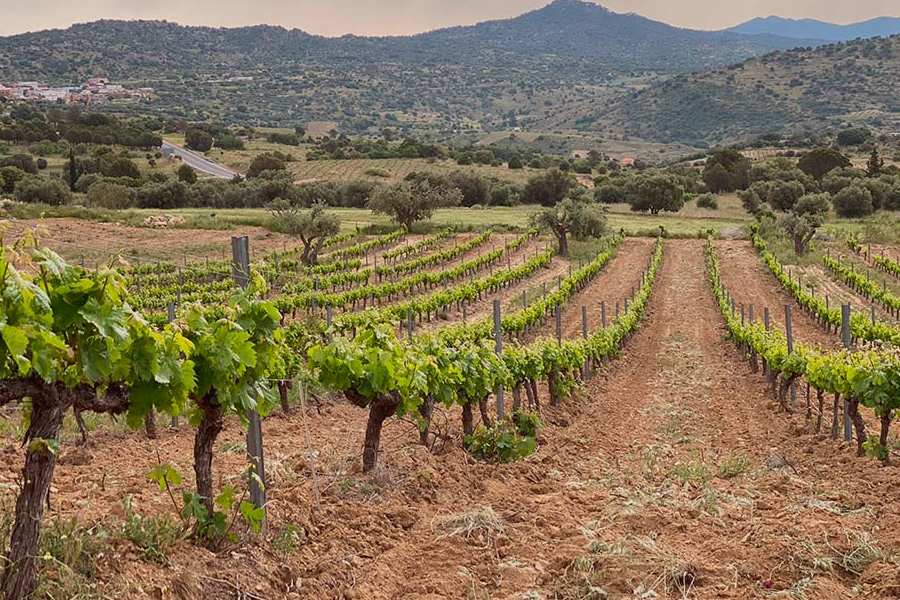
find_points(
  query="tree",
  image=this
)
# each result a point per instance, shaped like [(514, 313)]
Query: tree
[(853, 136), (10, 176), (717, 179), (784, 194), (515, 163), (875, 164), (21, 161), (549, 188), (655, 192), (726, 170), (106, 194), (410, 201), (186, 174), (610, 193), (121, 167), (312, 226), (805, 219), (575, 216), (708, 201), (853, 202), (265, 162), (73, 171), (40, 190), (819, 161), (198, 139)]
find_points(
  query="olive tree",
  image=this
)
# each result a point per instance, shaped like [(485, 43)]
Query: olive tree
[(411, 201), (805, 219), (313, 226), (575, 216), (655, 192)]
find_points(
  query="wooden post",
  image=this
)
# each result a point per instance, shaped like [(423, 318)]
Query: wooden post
[(524, 298), (170, 316), (498, 348), (584, 322), (847, 340), (329, 318), (465, 311), (752, 317), (617, 310), (767, 320), (603, 314), (872, 311), (789, 332), (240, 268), (410, 322), (559, 325), (742, 314)]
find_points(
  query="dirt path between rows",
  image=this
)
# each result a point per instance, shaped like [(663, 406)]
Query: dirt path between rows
[(751, 282), (613, 284), (671, 476), (676, 479)]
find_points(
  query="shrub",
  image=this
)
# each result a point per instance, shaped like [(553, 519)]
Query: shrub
[(610, 193), (267, 161), (172, 194), (121, 167), (287, 139), (229, 142), (186, 174), (515, 163), (104, 194), (40, 190), (197, 139), (21, 161), (10, 175), (853, 202), (41, 164), (507, 441), (709, 201)]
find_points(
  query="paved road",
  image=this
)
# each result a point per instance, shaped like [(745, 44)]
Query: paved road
[(197, 161)]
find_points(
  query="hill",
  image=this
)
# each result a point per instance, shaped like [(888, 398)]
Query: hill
[(834, 85), (492, 75), (819, 30)]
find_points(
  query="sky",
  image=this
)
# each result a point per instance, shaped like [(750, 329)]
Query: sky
[(397, 17)]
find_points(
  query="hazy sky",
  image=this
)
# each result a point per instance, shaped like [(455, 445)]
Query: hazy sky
[(390, 17)]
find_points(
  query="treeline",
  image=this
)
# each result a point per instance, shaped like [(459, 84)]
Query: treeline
[(778, 184), (27, 125)]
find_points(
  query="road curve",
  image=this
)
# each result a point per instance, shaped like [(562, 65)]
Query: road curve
[(197, 161)]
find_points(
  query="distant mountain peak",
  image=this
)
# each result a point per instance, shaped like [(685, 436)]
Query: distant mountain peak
[(819, 30)]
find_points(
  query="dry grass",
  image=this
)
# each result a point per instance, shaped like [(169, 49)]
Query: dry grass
[(481, 525)]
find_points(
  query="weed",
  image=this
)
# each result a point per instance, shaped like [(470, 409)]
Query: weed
[(288, 539), (863, 551), (734, 465), (69, 557), (507, 441), (153, 535), (695, 472)]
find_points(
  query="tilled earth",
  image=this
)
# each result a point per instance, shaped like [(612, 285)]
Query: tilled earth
[(672, 475)]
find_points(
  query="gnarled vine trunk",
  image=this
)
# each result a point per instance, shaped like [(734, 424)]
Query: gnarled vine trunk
[(18, 580), (485, 413), (380, 409), (150, 424), (858, 423), (283, 389), (211, 424), (886, 419), (426, 411), (468, 420)]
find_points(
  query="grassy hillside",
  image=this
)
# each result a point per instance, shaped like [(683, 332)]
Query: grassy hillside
[(850, 83)]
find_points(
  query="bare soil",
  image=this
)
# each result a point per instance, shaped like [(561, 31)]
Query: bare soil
[(670, 476), (94, 241), (750, 282)]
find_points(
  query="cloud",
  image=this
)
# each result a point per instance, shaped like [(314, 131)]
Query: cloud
[(394, 17)]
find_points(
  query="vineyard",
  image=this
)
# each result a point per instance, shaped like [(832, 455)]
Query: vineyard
[(517, 422)]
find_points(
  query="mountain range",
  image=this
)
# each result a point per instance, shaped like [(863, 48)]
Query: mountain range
[(811, 29), (563, 66)]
